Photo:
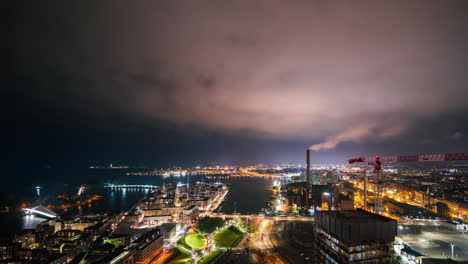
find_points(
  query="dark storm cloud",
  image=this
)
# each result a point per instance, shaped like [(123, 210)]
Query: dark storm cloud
[(457, 135), (291, 70)]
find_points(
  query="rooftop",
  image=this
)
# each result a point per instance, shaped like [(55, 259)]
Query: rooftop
[(147, 238), (356, 227), (357, 214)]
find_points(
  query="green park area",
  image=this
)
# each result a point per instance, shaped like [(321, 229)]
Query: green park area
[(196, 241), (209, 224), (228, 237), (181, 242), (180, 256), (193, 241), (212, 257)]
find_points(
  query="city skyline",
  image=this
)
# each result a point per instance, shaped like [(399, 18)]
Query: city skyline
[(208, 132)]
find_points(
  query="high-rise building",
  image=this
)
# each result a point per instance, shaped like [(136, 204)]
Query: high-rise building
[(147, 246), (354, 236), (8, 249)]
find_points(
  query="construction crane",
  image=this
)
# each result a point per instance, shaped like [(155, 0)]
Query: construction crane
[(379, 179)]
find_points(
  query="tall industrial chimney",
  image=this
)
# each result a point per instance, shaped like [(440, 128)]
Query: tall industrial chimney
[(308, 180), (308, 168)]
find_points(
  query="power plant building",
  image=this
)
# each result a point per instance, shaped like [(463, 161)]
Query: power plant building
[(304, 196)]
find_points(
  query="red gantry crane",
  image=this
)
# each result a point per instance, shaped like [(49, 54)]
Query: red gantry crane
[(378, 175)]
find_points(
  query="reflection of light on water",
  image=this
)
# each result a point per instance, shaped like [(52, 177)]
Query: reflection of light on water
[(30, 221), (124, 193)]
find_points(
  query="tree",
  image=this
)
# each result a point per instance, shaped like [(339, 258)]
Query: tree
[(443, 209), (397, 260)]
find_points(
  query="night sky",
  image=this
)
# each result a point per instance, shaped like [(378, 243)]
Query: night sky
[(237, 82)]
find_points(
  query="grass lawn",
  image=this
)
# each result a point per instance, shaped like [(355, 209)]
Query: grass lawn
[(212, 257), (196, 241), (181, 256), (209, 224), (228, 237), (181, 242)]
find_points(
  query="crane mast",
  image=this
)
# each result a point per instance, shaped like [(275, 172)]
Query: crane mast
[(379, 177)]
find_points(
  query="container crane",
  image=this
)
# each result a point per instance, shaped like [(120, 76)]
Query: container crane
[(377, 161)]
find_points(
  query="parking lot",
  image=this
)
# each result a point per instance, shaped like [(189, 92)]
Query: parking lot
[(435, 241)]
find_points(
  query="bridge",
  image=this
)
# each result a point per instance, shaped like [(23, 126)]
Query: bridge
[(81, 190), (130, 186), (40, 210)]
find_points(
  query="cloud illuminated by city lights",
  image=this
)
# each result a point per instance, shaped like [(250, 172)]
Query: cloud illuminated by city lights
[(322, 71)]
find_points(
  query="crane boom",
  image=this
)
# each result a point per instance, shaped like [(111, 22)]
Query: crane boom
[(415, 158)]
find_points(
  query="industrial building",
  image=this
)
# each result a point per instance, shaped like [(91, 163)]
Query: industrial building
[(315, 196), (354, 236)]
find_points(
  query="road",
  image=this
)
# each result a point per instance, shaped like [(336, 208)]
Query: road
[(275, 218), (265, 248), (398, 196), (283, 237), (261, 247), (163, 257), (257, 247)]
